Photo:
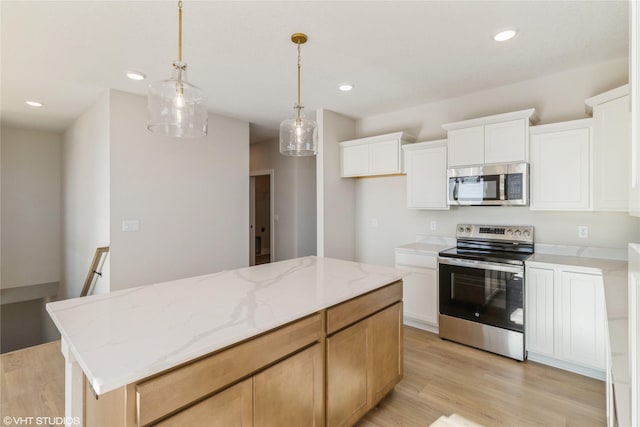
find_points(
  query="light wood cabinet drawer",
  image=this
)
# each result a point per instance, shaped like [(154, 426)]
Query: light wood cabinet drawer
[(232, 407), (180, 387), (349, 312)]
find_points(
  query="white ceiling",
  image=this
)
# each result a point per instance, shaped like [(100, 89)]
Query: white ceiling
[(397, 54)]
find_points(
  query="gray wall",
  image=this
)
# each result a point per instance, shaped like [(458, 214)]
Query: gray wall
[(31, 176), (86, 164), (336, 196), (31, 208), (294, 199), (190, 196)]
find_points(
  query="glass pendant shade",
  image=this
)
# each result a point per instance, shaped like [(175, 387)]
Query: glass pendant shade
[(299, 136), (176, 107)]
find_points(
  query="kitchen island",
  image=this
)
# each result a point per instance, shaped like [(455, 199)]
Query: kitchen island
[(309, 341)]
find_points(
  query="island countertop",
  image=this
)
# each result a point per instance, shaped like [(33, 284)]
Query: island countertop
[(124, 336)]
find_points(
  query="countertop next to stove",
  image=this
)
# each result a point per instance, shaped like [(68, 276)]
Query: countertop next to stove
[(428, 245), (615, 279)]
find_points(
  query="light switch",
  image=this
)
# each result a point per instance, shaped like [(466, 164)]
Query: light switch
[(130, 225)]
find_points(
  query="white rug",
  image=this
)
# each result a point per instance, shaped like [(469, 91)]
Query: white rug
[(454, 420)]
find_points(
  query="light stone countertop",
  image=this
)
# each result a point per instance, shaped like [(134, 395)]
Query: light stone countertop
[(124, 336), (423, 248), (615, 278)]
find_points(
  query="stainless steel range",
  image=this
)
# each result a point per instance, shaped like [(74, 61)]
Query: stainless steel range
[(481, 284)]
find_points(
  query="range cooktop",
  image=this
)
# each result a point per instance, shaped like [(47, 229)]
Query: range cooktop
[(492, 243)]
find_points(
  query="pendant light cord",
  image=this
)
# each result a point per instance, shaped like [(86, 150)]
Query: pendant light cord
[(180, 31), (299, 107)]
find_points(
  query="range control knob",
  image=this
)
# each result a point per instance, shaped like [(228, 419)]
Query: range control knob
[(526, 233), (510, 232), (518, 233), (460, 229), (468, 229)]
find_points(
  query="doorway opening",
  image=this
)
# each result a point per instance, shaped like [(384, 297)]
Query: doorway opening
[(261, 217)]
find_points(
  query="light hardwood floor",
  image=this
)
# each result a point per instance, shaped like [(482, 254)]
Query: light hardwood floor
[(32, 382), (440, 378)]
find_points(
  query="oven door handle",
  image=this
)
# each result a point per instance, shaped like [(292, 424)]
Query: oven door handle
[(481, 265)]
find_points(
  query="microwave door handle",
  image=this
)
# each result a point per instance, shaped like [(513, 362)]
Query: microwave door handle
[(502, 189), (455, 190)]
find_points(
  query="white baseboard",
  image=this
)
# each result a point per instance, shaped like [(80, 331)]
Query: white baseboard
[(567, 366), (421, 325)]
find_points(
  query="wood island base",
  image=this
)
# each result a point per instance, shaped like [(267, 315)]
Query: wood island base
[(326, 369)]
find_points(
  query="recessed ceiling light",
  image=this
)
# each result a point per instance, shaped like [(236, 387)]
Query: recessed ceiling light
[(345, 87), (33, 103), (505, 35), (135, 75)]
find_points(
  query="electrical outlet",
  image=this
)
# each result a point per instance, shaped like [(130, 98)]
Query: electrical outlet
[(433, 226), (130, 225), (583, 231)]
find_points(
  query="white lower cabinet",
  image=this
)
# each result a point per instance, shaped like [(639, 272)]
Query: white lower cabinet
[(580, 319), (565, 319), (420, 289), (539, 311)]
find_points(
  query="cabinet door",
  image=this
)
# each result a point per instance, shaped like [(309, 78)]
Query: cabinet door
[(427, 178), (355, 160), (291, 392), (385, 352), (420, 295), (560, 170), (539, 311), (505, 142), (347, 367), (580, 319), (384, 157), (364, 362), (466, 146), (232, 407), (611, 149)]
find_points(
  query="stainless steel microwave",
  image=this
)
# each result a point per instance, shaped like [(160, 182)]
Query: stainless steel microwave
[(490, 185)]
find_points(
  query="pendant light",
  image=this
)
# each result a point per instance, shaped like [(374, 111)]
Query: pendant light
[(299, 135), (177, 108)]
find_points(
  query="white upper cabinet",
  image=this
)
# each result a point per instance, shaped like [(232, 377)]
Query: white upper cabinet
[(466, 146), (506, 142), (503, 138), (426, 166), (560, 166), (376, 155), (611, 149), (355, 160)]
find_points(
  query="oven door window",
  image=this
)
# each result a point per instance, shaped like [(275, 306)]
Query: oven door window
[(486, 296), (475, 188)]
